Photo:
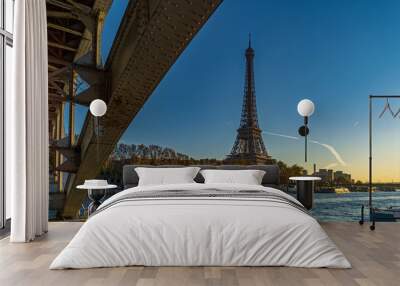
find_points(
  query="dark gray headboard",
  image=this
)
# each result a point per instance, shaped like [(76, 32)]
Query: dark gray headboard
[(271, 177)]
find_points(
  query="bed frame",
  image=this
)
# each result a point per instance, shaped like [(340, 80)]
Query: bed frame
[(271, 178)]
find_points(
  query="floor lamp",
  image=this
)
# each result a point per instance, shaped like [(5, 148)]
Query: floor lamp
[(305, 108)]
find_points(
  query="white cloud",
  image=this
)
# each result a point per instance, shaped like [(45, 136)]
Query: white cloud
[(356, 124), (331, 166)]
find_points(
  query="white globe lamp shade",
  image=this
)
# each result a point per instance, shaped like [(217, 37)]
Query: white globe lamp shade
[(98, 107), (305, 107)]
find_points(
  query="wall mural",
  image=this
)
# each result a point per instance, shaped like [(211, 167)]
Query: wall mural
[(224, 97)]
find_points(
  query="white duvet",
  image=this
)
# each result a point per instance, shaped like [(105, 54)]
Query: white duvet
[(200, 231)]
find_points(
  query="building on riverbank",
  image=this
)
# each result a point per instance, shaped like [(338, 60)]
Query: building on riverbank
[(341, 177)]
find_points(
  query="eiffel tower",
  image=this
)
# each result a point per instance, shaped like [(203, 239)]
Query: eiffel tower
[(249, 147)]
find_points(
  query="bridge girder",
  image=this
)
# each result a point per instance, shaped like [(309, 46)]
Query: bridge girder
[(69, 39), (152, 35)]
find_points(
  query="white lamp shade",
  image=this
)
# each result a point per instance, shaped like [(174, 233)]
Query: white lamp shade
[(98, 107), (305, 107)]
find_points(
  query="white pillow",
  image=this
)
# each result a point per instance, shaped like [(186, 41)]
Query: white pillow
[(248, 177), (166, 176)]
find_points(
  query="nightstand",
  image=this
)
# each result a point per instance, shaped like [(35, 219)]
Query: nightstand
[(305, 190), (95, 194)]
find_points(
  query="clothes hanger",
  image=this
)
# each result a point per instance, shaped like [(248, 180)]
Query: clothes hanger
[(397, 113), (387, 107)]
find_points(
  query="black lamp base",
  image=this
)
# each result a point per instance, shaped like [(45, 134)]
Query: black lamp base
[(304, 131)]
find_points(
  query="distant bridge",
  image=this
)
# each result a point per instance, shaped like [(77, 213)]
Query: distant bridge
[(152, 35)]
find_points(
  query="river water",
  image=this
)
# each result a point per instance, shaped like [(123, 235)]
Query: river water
[(346, 207)]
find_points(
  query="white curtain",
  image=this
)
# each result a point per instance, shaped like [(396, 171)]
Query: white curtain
[(27, 171)]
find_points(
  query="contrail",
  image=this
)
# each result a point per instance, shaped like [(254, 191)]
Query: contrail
[(330, 148), (281, 135)]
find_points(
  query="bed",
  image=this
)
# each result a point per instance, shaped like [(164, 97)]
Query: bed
[(197, 224)]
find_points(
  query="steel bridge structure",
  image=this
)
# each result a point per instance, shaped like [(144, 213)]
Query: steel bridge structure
[(151, 36)]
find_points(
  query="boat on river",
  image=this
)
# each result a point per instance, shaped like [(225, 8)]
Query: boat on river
[(333, 190)]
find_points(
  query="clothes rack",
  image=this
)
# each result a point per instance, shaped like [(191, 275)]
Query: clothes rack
[(374, 212)]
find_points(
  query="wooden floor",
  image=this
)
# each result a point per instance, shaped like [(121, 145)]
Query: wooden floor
[(375, 257)]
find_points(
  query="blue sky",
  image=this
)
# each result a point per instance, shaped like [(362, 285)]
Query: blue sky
[(332, 52)]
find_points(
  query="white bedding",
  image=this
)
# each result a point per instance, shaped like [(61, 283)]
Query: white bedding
[(200, 231)]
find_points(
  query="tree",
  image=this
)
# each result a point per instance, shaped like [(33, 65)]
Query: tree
[(289, 171)]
